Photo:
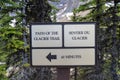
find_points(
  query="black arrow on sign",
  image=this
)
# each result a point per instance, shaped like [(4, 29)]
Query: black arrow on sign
[(50, 57)]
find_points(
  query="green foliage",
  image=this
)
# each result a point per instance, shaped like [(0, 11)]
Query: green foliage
[(10, 41), (53, 12), (39, 13), (11, 36), (2, 72)]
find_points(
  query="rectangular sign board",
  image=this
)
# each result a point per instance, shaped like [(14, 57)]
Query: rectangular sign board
[(64, 57), (46, 35), (63, 44)]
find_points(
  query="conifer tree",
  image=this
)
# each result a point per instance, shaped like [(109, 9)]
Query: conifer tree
[(107, 19), (15, 16), (11, 34)]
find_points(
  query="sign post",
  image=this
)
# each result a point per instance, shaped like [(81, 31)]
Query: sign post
[(63, 73), (63, 44)]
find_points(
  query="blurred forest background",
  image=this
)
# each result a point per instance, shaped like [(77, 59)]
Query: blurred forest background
[(15, 18)]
